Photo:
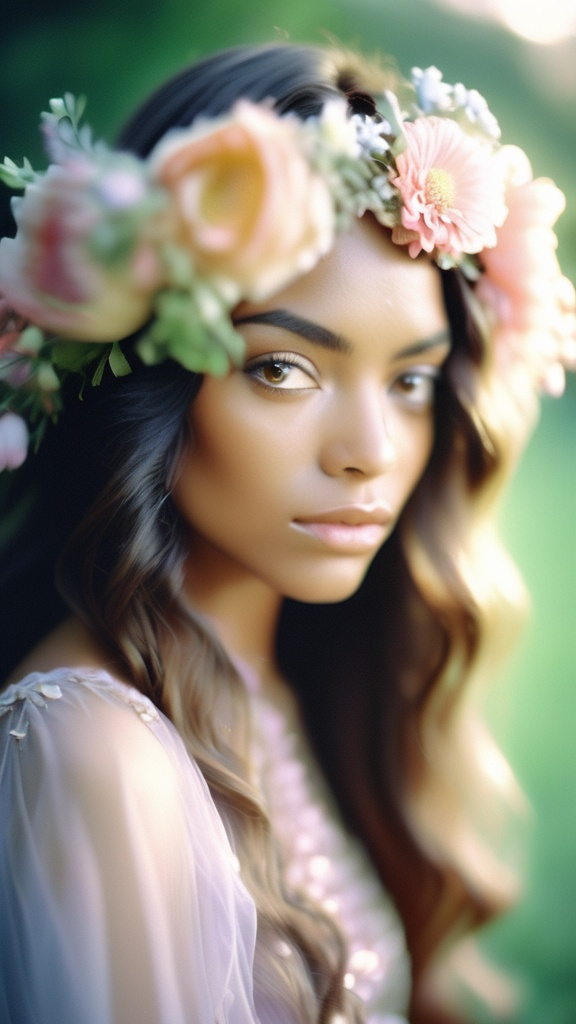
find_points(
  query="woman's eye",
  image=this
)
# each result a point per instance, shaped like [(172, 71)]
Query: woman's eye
[(280, 374), (417, 387)]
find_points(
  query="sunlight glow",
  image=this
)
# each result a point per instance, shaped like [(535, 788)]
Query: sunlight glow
[(545, 23)]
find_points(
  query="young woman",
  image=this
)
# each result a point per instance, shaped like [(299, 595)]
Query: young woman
[(252, 573)]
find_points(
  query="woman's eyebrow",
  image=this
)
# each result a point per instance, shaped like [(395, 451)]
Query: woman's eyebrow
[(442, 337), (315, 333), (322, 336)]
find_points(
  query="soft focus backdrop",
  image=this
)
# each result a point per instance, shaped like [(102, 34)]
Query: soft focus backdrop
[(115, 53)]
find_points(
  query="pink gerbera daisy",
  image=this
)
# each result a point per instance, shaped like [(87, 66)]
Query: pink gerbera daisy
[(452, 190)]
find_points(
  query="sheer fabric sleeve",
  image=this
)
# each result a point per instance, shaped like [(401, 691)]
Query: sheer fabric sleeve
[(119, 898)]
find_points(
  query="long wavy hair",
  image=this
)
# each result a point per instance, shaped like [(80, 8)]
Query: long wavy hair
[(382, 678)]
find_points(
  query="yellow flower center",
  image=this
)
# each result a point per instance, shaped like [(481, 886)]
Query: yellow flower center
[(439, 189)]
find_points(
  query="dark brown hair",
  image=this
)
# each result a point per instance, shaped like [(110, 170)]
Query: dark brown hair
[(380, 677)]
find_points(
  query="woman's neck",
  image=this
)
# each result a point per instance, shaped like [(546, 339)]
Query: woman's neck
[(243, 609)]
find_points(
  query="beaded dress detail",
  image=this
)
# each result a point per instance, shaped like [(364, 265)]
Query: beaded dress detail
[(329, 864)]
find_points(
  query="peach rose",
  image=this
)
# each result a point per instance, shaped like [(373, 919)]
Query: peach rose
[(49, 274), (532, 302), (251, 210)]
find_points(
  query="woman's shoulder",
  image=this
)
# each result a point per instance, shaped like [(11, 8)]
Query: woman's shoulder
[(95, 749), (70, 645), (78, 683), (108, 828), (94, 733), (78, 693), (75, 683)]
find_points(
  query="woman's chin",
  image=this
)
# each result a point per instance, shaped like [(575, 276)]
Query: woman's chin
[(327, 588)]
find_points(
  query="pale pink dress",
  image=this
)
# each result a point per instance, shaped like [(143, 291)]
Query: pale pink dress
[(121, 900)]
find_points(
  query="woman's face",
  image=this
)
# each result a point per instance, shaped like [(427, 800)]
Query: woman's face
[(302, 461)]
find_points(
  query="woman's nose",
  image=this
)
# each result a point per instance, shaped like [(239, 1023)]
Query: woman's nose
[(360, 438)]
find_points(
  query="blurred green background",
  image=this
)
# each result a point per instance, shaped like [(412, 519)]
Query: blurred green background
[(115, 53)]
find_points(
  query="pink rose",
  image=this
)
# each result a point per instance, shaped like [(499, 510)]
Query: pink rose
[(49, 274), (533, 304), (13, 441), (250, 208), (452, 190)]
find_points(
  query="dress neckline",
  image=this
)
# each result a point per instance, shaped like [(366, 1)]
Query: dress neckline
[(321, 857)]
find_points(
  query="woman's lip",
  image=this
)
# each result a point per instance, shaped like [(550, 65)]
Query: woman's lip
[(353, 538), (350, 515)]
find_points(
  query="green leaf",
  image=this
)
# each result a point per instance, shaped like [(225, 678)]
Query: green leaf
[(46, 376), (62, 124), (70, 105), (31, 340), (399, 145), (80, 106), (118, 363), (57, 107), (38, 434), (75, 355), (389, 108), (470, 267), (99, 371), (178, 265), (17, 177), (149, 352)]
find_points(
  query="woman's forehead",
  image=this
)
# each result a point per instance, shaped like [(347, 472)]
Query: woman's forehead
[(364, 276)]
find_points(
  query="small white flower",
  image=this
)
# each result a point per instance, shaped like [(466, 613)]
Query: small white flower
[(383, 188), (209, 303), (433, 94), (369, 135), (459, 95), (477, 110), (337, 129)]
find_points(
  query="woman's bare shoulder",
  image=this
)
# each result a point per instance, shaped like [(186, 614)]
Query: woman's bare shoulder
[(98, 699), (67, 706), (72, 645)]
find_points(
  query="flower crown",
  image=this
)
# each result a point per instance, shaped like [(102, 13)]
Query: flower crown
[(109, 245)]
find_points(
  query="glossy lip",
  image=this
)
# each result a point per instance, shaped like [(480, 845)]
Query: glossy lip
[(350, 515), (353, 529)]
